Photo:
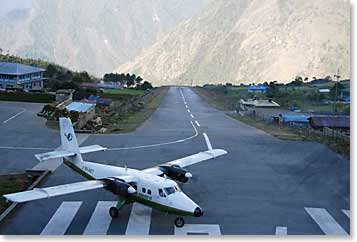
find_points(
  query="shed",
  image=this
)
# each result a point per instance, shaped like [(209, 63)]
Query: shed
[(295, 118), (330, 121), (86, 112)]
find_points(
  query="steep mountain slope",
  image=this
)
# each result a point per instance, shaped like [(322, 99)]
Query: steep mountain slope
[(96, 35), (252, 41)]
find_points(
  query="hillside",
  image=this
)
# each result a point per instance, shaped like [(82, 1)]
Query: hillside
[(91, 35), (251, 41)]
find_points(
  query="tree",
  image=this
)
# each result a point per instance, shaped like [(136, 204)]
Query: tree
[(138, 80), (146, 85), (340, 86)]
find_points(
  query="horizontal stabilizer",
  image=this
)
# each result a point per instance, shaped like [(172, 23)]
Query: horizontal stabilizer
[(54, 154), (66, 153), (91, 148), (40, 193)]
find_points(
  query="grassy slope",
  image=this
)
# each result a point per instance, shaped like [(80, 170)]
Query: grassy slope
[(133, 120), (10, 186)]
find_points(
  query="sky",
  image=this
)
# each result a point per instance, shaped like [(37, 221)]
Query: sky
[(8, 5)]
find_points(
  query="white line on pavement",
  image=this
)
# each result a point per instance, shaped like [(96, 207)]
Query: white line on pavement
[(208, 143), (325, 221), (281, 230), (188, 110), (7, 120), (159, 144), (186, 106), (197, 123), (346, 212), (62, 218), (100, 220), (139, 221), (192, 115), (198, 229)]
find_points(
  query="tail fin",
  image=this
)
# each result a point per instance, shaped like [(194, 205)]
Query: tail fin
[(69, 145), (68, 137)]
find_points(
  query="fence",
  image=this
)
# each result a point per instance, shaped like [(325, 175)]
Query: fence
[(302, 128)]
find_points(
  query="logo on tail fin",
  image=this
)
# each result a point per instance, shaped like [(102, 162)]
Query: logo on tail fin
[(68, 136)]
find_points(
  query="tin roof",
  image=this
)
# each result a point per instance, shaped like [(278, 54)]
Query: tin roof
[(299, 118), (79, 107), (9, 68)]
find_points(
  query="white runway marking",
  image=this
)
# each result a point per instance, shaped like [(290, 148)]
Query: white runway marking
[(139, 221), (7, 120), (62, 218), (100, 220), (281, 230), (325, 221), (160, 144), (192, 115), (346, 212), (208, 143), (188, 110), (198, 229), (186, 106), (197, 123)]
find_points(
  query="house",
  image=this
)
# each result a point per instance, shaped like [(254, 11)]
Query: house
[(255, 102), (86, 112), (16, 75), (258, 89), (109, 85)]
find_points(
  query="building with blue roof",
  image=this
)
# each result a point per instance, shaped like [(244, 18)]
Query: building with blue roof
[(262, 89), (16, 75)]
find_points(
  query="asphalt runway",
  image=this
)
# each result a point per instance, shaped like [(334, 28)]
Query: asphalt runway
[(263, 186)]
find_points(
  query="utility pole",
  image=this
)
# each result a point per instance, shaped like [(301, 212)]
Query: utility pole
[(336, 91)]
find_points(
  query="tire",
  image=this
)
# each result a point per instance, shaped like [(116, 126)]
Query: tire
[(179, 222), (114, 212)]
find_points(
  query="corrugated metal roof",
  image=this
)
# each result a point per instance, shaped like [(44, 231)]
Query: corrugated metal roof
[(79, 107), (301, 118), (257, 88), (9, 68), (331, 121)]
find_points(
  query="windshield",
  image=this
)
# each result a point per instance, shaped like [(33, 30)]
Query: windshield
[(169, 190)]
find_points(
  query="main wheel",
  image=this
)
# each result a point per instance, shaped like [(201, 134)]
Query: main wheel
[(179, 222), (113, 212)]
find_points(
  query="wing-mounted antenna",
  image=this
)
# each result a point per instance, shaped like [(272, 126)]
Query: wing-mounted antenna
[(126, 168)]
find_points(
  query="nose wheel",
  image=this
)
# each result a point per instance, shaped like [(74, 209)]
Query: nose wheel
[(114, 212), (179, 222)]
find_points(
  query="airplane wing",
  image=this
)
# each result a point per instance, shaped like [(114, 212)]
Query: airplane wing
[(40, 193), (189, 160)]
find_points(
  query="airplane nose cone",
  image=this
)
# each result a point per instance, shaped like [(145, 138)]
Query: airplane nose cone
[(198, 212), (188, 175), (131, 190)]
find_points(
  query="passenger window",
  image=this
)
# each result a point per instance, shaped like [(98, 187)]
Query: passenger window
[(161, 193), (144, 190), (149, 191)]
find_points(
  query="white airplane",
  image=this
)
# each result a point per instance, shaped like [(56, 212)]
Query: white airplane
[(154, 187)]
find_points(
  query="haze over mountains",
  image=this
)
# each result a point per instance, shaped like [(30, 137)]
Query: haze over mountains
[(184, 41)]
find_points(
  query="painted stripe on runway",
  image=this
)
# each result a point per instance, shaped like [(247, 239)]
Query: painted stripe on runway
[(192, 115), (198, 229), (208, 143), (62, 218), (325, 221), (197, 123), (139, 221), (346, 212), (188, 110), (281, 230), (7, 120), (100, 219), (186, 106)]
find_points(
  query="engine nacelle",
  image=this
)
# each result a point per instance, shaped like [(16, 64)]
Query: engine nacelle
[(120, 187), (176, 173)]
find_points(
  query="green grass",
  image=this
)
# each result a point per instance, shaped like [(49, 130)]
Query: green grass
[(14, 184), (125, 91), (26, 97)]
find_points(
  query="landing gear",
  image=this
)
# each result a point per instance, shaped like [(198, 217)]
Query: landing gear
[(179, 222), (114, 212)]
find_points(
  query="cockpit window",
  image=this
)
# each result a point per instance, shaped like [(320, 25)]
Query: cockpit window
[(169, 190), (161, 193)]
